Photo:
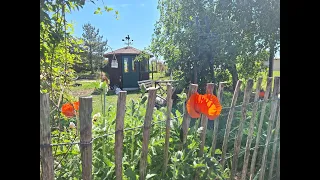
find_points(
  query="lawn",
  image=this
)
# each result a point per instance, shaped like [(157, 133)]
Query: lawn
[(87, 87), (159, 76)]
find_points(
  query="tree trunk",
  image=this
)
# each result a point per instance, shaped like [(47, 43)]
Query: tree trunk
[(213, 76), (90, 60), (234, 74), (210, 60), (195, 75), (271, 57)]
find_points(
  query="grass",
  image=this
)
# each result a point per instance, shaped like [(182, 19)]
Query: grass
[(87, 87), (159, 76), (265, 76), (111, 100)]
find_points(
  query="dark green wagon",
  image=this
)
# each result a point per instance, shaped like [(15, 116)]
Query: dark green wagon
[(123, 71)]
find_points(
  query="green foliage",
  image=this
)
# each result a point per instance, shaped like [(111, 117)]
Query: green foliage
[(56, 65), (183, 161), (206, 41), (59, 52), (94, 47)]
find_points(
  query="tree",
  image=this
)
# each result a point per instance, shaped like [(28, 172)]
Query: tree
[(94, 45), (59, 49), (203, 41), (269, 21)]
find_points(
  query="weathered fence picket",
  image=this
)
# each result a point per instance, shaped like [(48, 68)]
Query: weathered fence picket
[(229, 121), (85, 111), (121, 105), (45, 139), (146, 132)]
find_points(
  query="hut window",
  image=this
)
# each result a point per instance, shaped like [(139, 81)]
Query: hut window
[(144, 66), (125, 65), (134, 66)]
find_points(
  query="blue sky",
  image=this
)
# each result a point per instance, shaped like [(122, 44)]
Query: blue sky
[(136, 18)]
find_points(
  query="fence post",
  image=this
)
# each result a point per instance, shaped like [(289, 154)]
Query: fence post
[(85, 112), (193, 88), (237, 142), (273, 112), (45, 139), (121, 105), (229, 121), (278, 163), (146, 133), (263, 111), (216, 122), (166, 145), (275, 142), (204, 121), (249, 138)]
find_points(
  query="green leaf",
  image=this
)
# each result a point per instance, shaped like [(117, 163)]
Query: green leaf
[(217, 151), (149, 159), (98, 11), (108, 9), (129, 173), (144, 99)]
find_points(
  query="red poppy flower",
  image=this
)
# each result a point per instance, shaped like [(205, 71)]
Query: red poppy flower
[(261, 94), (207, 104), (212, 107), (76, 105), (192, 108), (68, 110)]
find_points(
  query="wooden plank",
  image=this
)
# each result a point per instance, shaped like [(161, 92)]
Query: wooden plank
[(204, 123), (85, 112), (263, 111), (193, 88), (216, 122), (251, 128), (164, 81), (166, 144), (146, 85), (273, 112), (229, 121), (146, 132), (145, 81), (45, 139), (275, 142), (237, 142), (118, 150)]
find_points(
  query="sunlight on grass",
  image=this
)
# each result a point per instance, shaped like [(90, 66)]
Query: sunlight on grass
[(87, 88), (265, 76), (111, 100), (159, 76)]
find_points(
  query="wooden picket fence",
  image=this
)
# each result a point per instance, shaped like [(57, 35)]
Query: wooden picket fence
[(85, 113)]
